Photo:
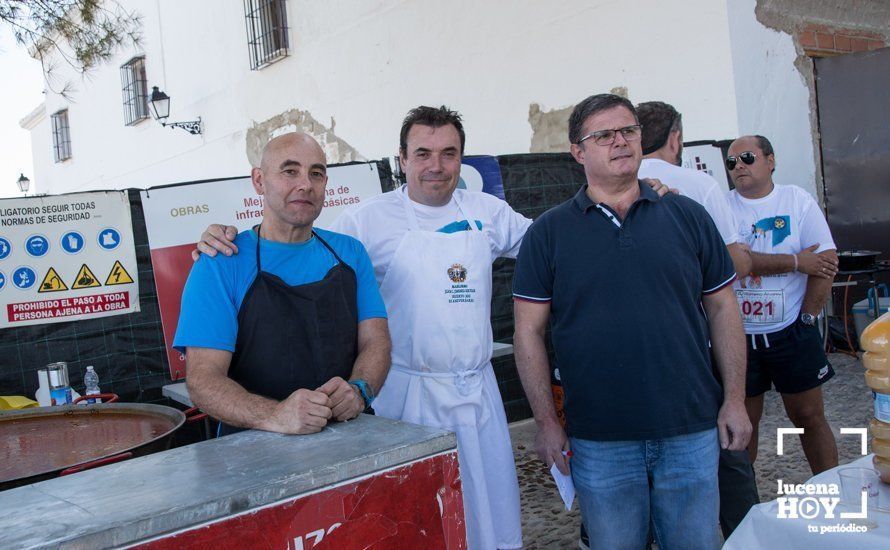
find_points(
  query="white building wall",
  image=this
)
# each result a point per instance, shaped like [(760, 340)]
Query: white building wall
[(364, 64), (491, 60), (36, 122), (772, 95)]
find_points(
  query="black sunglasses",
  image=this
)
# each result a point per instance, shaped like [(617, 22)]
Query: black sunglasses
[(747, 157)]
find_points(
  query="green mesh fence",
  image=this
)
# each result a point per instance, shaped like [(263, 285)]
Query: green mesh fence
[(532, 185)]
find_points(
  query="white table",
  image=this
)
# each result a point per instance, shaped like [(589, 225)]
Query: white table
[(500, 349), (761, 528), (179, 393)]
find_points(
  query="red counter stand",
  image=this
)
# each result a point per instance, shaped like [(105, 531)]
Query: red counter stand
[(370, 513), (368, 483)]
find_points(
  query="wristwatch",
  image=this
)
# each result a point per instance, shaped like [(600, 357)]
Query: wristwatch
[(808, 319), (365, 389)]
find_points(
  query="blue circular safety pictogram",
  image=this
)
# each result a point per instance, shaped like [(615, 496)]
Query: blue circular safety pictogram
[(109, 238), (72, 242), (5, 248), (24, 277), (37, 245)]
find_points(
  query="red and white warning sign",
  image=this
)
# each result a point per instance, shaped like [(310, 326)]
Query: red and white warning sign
[(66, 308)]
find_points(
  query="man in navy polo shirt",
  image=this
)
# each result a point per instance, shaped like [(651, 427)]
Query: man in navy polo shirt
[(634, 287)]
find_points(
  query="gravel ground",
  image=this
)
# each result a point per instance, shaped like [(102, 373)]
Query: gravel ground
[(848, 404)]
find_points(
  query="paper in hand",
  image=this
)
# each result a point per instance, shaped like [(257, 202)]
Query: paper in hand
[(565, 485)]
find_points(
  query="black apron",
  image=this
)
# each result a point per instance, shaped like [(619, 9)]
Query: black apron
[(293, 337)]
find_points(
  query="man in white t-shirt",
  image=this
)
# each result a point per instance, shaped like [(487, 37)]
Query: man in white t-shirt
[(779, 304), (662, 144), (662, 158)]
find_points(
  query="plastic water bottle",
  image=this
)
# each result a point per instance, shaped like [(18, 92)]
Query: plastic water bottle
[(91, 381)]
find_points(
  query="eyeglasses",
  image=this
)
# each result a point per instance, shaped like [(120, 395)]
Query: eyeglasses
[(747, 157), (607, 137)]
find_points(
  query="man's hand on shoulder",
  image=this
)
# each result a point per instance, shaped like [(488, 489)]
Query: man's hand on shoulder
[(346, 400), (216, 238), (822, 265), (733, 425), (303, 412), (659, 187)]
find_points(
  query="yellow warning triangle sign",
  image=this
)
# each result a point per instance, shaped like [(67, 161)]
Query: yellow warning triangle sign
[(52, 282), (118, 275), (85, 278)]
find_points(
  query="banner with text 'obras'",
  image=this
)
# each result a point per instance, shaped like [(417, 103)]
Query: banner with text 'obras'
[(175, 217)]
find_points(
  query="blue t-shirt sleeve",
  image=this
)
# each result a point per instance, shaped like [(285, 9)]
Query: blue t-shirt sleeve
[(208, 315), (533, 278), (368, 299)]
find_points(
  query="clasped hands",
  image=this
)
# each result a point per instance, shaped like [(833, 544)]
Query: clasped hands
[(309, 411)]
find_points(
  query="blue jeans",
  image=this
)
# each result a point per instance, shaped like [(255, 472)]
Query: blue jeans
[(622, 485)]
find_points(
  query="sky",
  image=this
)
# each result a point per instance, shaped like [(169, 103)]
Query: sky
[(21, 92)]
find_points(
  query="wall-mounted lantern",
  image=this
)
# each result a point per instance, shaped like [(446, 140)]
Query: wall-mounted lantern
[(160, 110), (23, 183)]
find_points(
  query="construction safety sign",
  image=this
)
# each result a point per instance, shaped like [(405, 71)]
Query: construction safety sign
[(59, 253)]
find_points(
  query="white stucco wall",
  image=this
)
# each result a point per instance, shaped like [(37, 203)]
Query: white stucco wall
[(490, 60), (772, 96), (364, 64)]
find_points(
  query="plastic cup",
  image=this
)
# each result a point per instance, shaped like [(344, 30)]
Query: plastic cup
[(855, 481)]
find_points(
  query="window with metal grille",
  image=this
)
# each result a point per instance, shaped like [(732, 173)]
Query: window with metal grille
[(135, 90), (266, 31), (61, 136)]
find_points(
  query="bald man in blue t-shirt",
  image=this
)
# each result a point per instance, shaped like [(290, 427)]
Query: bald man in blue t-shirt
[(292, 333)]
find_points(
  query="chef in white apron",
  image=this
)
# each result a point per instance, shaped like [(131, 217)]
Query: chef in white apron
[(437, 291), (432, 246)]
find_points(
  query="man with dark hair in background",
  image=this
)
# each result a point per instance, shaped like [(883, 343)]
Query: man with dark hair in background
[(633, 286), (662, 145)]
